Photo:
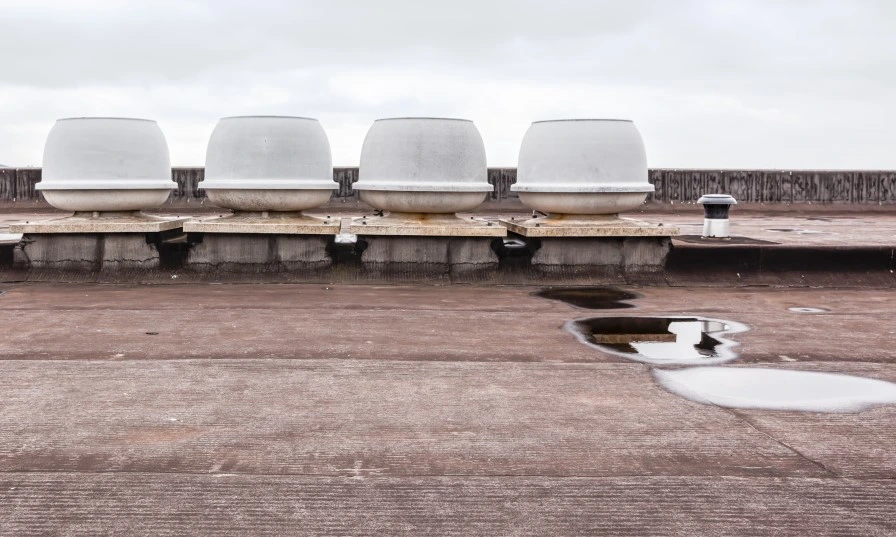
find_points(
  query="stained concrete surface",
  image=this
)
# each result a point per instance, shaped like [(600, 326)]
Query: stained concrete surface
[(87, 252), (449, 323), (393, 256), (825, 225), (801, 228), (409, 409), (601, 256), (177, 504), (820, 247), (258, 253)]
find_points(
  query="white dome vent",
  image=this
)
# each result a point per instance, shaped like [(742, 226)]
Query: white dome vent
[(423, 165), (98, 164), (268, 163), (582, 167)]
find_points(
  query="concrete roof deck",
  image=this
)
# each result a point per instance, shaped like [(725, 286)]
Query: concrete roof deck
[(808, 226), (830, 230), (323, 409)]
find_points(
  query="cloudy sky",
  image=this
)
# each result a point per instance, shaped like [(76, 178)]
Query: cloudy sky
[(710, 83)]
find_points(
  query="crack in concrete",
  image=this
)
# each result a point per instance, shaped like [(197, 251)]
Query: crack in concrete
[(131, 260), (780, 442)]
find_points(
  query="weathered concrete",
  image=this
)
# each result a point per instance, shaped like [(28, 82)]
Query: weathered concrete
[(601, 257), (91, 252), (860, 187), (427, 246), (257, 253), (425, 225), (608, 257), (408, 410), (497, 323), (128, 251), (110, 222), (800, 248), (82, 243), (428, 257), (177, 504), (792, 228), (645, 255), (75, 252), (188, 193), (271, 223), (585, 226), (17, 186), (316, 415)]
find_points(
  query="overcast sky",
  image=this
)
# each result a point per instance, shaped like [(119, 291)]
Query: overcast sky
[(710, 83)]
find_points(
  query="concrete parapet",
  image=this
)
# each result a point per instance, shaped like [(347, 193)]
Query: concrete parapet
[(860, 187), (671, 186)]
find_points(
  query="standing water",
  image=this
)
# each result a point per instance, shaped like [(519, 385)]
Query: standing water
[(776, 389), (593, 298), (659, 340)]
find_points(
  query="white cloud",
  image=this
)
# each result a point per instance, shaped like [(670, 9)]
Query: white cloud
[(710, 83)]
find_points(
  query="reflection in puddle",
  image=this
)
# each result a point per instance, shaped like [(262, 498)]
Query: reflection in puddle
[(800, 231), (775, 389), (594, 298), (659, 340), (808, 310)]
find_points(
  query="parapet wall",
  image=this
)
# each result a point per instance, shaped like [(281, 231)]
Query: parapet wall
[(855, 187)]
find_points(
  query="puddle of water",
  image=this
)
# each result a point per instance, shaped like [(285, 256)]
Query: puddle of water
[(592, 298), (659, 340), (776, 389), (800, 231), (808, 310)]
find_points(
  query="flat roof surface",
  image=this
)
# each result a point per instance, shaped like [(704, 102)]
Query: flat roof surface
[(321, 409), (847, 228)]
